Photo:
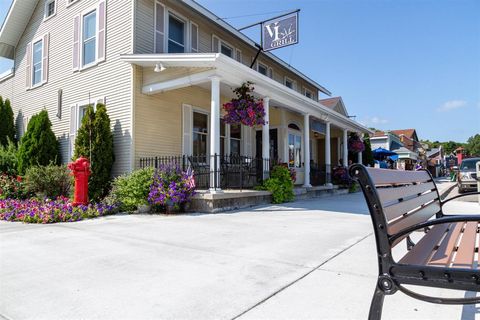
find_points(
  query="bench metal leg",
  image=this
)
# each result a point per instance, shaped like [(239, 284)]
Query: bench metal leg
[(376, 305)]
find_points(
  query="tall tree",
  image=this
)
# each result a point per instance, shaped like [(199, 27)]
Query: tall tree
[(473, 145), (7, 127), (367, 155), (95, 142), (38, 146)]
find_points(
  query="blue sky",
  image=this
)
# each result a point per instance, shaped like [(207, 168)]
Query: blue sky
[(397, 64)]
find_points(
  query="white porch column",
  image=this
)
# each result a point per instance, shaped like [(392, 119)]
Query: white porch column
[(266, 139), (359, 160), (345, 147), (306, 157), (328, 156), (215, 135)]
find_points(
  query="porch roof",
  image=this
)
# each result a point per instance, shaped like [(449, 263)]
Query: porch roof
[(234, 74)]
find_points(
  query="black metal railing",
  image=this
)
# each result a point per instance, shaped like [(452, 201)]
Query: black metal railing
[(217, 171)]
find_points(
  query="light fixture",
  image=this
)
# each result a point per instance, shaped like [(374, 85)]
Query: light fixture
[(159, 67)]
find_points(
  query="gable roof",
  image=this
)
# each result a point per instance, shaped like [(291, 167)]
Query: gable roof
[(336, 104), (410, 133), (14, 25), (21, 10)]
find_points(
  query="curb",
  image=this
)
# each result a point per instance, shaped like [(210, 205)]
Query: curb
[(446, 192)]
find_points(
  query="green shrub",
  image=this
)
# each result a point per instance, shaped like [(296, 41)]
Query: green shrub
[(280, 184), (95, 142), (12, 187), (39, 146), (49, 181), (8, 158), (7, 127), (131, 190)]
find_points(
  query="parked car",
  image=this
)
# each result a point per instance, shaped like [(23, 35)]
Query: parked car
[(467, 175)]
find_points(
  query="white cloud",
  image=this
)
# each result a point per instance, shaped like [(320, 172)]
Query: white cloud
[(452, 105), (371, 121)]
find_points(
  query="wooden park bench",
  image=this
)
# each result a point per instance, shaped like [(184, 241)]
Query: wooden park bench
[(401, 203)]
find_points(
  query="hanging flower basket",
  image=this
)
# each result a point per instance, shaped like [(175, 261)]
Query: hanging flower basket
[(355, 145), (244, 109)]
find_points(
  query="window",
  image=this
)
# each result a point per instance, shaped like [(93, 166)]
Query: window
[(289, 83), (308, 93), (294, 146), (263, 69), (89, 46), (226, 49), (77, 113), (70, 2), (235, 138), (176, 34), (200, 133), (50, 8), (37, 62)]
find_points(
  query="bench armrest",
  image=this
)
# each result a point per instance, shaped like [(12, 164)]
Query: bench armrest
[(459, 196), (429, 223)]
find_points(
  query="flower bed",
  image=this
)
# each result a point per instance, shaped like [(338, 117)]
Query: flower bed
[(50, 211), (171, 188)]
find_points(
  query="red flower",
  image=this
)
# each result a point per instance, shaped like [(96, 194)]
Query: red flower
[(19, 179)]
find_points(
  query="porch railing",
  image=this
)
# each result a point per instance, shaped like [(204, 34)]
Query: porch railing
[(217, 171)]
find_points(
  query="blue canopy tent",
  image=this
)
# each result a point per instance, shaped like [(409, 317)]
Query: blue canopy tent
[(381, 154)]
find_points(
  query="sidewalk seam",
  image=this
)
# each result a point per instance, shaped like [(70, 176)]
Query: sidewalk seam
[(300, 278)]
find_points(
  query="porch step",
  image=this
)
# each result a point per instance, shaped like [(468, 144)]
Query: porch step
[(228, 200)]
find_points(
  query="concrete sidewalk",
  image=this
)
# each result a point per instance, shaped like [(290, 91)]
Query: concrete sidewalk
[(302, 260)]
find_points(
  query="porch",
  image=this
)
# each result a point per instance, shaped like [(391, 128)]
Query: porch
[(178, 112)]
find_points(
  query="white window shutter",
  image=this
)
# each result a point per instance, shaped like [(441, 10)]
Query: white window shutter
[(76, 42), (45, 57), (101, 31), (159, 27), (73, 128), (28, 70), (270, 72), (194, 37), (187, 125), (215, 44)]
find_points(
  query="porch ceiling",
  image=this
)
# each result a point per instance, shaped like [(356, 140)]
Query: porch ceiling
[(233, 74)]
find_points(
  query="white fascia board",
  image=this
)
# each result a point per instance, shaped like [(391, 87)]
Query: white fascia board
[(214, 18), (16, 21), (178, 83)]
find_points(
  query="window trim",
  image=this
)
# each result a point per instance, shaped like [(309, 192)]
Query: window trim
[(202, 111), (227, 44), (295, 133), (41, 82), (185, 30), (305, 90), (47, 2), (69, 3), (263, 65), (82, 41), (294, 83)]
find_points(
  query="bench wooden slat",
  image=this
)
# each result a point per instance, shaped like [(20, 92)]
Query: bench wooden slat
[(388, 176), (418, 216), (423, 250), (396, 210), (466, 250), (444, 254), (390, 194)]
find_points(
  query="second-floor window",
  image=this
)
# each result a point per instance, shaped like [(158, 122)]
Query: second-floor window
[(50, 8), (37, 62), (289, 83), (89, 45), (176, 34)]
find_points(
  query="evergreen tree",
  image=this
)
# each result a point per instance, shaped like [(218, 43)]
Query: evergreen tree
[(473, 145), (38, 146), (7, 127), (95, 142), (367, 155)]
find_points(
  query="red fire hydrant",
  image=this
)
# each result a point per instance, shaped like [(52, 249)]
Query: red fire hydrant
[(81, 171)]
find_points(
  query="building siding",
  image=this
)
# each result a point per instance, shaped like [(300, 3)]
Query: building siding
[(110, 79), (144, 27)]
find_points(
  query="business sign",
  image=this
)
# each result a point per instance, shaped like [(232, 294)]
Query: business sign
[(280, 32)]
